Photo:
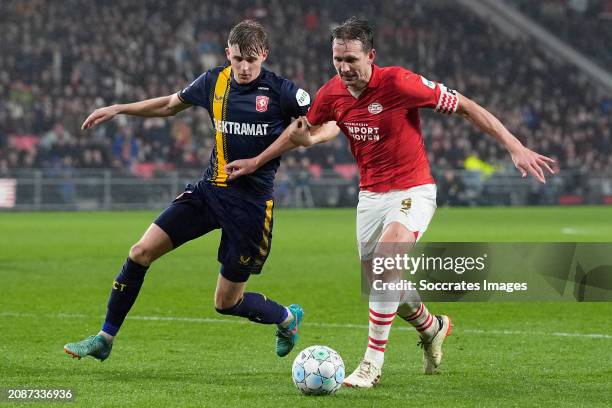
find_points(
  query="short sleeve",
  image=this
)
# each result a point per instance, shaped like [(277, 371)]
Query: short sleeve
[(419, 92), (195, 93), (320, 110), (294, 101)]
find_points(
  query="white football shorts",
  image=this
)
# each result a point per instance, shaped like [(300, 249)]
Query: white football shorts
[(413, 208)]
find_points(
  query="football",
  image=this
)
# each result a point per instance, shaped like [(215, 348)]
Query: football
[(318, 370)]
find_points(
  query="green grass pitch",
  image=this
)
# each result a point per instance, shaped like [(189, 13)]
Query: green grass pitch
[(56, 271)]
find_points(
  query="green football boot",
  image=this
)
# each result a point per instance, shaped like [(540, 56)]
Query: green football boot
[(96, 346), (286, 337)]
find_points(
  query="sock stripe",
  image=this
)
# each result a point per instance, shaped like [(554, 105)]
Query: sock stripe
[(416, 314), (381, 315), (425, 325), (385, 315), (428, 326), (425, 328), (381, 349), (376, 341), (380, 322)]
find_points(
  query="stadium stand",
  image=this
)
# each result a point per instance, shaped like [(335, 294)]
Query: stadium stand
[(584, 24), (61, 60)]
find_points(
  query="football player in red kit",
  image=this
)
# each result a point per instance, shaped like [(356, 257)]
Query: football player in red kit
[(377, 108)]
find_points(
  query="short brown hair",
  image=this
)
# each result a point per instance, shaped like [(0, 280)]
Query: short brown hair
[(250, 37), (355, 28)]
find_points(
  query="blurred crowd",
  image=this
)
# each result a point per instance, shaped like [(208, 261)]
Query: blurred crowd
[(584, 24), (61, 60)]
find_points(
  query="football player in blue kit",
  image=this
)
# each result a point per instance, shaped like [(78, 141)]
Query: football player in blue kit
[(250, 107)]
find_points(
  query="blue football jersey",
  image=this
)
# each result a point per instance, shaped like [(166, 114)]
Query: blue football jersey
[(247, 118)]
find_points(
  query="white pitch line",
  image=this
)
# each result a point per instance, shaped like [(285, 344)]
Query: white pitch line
[(312, 324), (556, 334)]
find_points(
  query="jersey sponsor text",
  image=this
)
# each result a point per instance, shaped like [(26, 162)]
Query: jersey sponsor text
[(237, 128), (362, 131)]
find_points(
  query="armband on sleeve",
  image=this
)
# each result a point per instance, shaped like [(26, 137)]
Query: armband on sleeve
[(448, 102)]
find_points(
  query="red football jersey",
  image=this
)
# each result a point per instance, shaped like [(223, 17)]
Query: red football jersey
[(383, 124)]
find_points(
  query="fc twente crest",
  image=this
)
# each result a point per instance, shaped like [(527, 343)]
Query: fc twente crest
[(261, 103)]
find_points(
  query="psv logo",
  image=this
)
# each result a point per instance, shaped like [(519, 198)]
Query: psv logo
[(375, 108), (261, 103)]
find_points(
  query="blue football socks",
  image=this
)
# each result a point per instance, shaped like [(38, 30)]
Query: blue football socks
[(257, 308), (123, 295)]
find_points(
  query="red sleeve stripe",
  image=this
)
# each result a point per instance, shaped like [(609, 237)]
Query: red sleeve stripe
[(375, 341), (385, 315), (378, 322)]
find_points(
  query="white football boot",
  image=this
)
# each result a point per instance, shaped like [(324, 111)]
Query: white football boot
[(432, 349), (366, 375)]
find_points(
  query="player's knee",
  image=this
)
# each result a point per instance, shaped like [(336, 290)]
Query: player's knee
[(140, 254)]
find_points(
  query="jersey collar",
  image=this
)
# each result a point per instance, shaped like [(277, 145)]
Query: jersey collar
[(375, 78)]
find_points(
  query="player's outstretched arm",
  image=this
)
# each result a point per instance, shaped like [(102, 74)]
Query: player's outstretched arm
[(157, 107), (305, 134), (283, 144), (526, 161)]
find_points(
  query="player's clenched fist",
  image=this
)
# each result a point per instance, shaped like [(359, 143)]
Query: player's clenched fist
[(99, 116), (299, 132)]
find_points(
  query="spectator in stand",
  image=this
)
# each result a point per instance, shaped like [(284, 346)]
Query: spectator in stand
[(451, 190), (60, 62)]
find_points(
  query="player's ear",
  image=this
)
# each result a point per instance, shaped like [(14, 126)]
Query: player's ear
[(264, 55), (227, 54), (371, 56)]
